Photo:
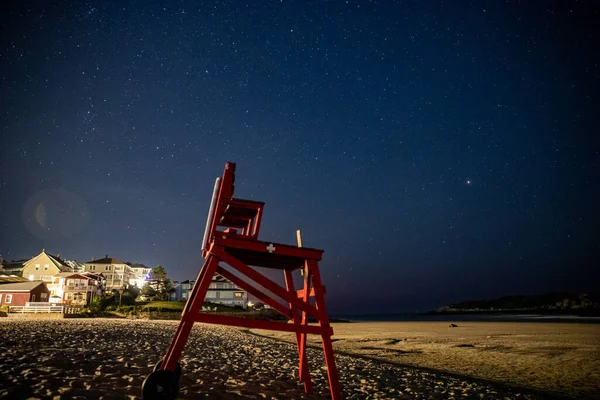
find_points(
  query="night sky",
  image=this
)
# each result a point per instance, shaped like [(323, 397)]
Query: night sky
[(437, 151)]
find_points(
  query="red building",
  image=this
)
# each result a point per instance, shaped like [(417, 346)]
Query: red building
[(17, 294)]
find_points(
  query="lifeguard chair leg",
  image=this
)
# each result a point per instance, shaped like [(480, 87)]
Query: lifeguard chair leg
[(332, 373), (163, 382), (303, 370), (192, 307), (304, 319)]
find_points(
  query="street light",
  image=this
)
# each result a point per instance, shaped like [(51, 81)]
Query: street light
[(120, 295)]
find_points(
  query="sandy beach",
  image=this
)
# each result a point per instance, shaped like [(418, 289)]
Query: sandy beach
[(556, 357), (109, 358)]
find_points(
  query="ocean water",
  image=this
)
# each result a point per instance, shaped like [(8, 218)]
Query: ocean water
[(416, 317)]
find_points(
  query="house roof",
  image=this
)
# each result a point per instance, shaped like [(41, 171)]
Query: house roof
[(12, 265), (70, 274), (106, 260), (59, 263), (138, 265), (93, 276), (4, 279), (21, 286), (73, 263)]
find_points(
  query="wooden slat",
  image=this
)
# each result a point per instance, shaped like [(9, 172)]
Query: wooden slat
[(258, 324), (251, 289), (303, 253), (267, 283)]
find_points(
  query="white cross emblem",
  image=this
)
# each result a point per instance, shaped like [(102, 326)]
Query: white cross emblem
[(270, 248)]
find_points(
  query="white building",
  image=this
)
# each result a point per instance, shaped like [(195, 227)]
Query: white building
[(74, 288), (140, 274), (220, 291), (75, 265), (116, 272)]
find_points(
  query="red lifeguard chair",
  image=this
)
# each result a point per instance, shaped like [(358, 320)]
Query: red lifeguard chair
[(231, 237)]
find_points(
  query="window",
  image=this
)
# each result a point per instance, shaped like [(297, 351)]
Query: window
[(37, 267), (212, 286), (43, 296), (108, 267), (117, 268), (33, 298), (46, 278), (239, 294), (68, 296), (8, 299), (92, 267), (45, 267)]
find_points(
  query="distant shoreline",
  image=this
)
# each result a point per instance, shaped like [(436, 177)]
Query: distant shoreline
[(543, 311), (481, 316)]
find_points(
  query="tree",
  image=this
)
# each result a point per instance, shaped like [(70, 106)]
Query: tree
[(148, 291), (160, 283), (159, 273)]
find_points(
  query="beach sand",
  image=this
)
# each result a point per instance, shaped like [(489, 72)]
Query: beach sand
[(109, 359), (556, 357)]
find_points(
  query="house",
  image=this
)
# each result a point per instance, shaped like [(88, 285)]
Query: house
[(140, 274), (43, 267), (17, 294), (76, 265), (220, 291), (12, 267), (75, 289), (181, 290), (116, 272)]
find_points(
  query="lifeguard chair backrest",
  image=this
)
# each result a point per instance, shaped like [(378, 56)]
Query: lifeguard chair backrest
[(224, 188), (228, 181)]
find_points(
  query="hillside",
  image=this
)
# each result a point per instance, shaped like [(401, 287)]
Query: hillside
[(548, 302)]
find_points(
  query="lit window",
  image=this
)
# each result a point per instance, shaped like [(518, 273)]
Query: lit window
[(8, 299), (239, 294)]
